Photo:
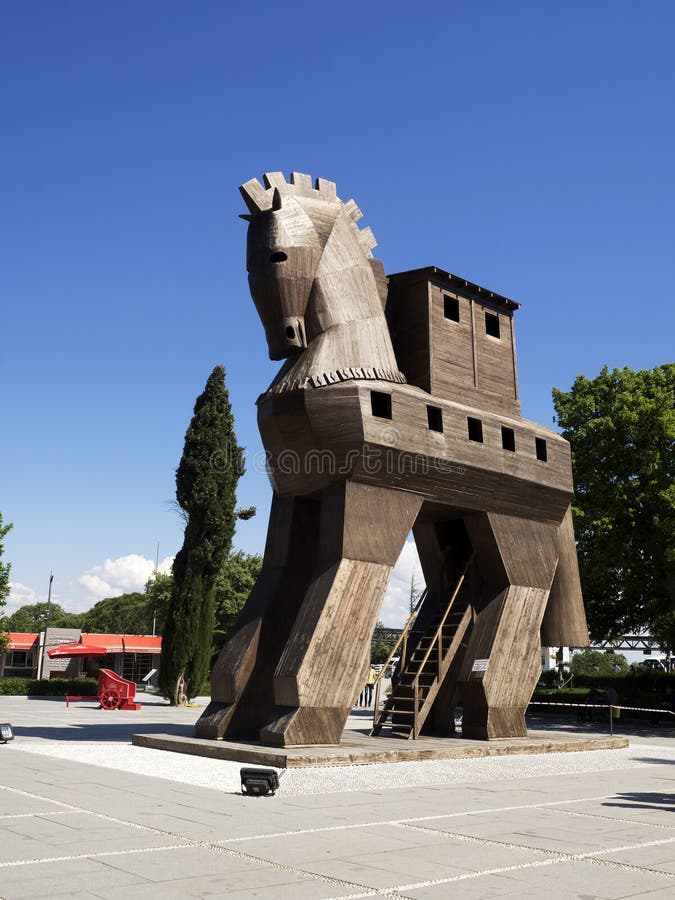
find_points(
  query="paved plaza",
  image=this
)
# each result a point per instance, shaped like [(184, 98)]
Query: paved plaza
[(83, 813)]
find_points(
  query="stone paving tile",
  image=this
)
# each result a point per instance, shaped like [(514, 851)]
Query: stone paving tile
[(383, 870), (474, 857), (484, 887), (169, 865), (64, 878), (543, 829), (660, 857), (305, 849), (584, 880), (13, 804), (250, 877), (41, 836)]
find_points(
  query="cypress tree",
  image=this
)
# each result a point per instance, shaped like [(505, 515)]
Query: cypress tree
[(206, 482)]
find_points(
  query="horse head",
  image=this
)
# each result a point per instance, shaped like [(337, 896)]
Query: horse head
[(290, 224)]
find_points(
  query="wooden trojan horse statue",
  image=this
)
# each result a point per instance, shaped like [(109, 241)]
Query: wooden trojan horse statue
[(377, 424)]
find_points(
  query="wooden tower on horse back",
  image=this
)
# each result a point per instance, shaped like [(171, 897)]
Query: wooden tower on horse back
[(378, 424)]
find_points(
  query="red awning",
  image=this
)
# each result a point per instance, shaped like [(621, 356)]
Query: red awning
[(21, 640), (65, 650), (142, 643)]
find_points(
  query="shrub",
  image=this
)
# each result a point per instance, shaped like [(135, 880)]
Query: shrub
[(596, 662), (52, 687)]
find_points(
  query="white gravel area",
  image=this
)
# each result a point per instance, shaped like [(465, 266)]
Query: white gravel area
[(224, 776), (84, 734)]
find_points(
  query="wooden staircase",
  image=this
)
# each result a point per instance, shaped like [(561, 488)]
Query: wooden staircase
[(424, 670)]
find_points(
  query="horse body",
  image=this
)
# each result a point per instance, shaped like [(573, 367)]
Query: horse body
[(355, 468)]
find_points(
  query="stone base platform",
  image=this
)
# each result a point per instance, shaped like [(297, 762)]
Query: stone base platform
[(361, 749)]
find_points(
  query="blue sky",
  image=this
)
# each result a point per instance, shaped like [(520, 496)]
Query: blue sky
[(527, 146)]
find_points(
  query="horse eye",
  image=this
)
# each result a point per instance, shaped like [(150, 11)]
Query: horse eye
[(278, 257)]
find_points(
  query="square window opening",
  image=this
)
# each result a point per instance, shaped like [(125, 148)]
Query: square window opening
[(435, 418), (451, 308), (380, 404), (492, 324), (475, 427), (540, 447), (508, 439)]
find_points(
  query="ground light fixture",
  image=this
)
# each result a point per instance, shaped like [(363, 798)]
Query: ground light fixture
[(259, 782), (6, 732)]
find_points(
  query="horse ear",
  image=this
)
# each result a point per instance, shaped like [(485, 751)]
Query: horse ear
[(276, 199)]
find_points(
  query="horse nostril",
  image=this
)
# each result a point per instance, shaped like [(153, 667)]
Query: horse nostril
[(290, 332), (278, 257)]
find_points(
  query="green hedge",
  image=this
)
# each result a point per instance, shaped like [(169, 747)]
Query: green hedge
[(645, 690), (48, 687)]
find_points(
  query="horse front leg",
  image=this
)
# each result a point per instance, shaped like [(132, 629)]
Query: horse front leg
[(242, 689), (324, 664)]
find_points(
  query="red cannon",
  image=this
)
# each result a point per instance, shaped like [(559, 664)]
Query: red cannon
[(115, 692)]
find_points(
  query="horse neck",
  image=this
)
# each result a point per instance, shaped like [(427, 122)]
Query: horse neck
[(345, 320), (346, 325)]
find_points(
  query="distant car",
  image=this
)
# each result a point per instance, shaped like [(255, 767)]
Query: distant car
[(391, 668), (653, 665)]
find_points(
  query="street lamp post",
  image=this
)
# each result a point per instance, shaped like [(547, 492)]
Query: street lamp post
[(44, 643)]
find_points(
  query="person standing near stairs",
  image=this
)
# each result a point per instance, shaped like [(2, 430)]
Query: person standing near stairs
[(366, 698)]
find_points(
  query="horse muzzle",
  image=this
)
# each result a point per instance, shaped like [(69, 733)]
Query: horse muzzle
[(289, 340)]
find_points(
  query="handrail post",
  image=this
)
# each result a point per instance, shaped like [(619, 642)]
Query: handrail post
[(440, 653), (416, 684)]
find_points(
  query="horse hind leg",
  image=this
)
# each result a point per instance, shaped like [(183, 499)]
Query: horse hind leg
[(242, 689), (325, 661)]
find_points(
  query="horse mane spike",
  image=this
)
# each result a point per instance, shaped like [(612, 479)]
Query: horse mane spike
[(352, 210), (326, 189), (367, 239), (302, 184), (276, 180), (255, 196)]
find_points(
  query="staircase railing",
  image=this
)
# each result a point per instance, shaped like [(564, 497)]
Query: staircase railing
[(437, 641), (401, 642)]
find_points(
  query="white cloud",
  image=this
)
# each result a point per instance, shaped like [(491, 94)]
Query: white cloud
[(120, 576), (20, 595), (396, 606)]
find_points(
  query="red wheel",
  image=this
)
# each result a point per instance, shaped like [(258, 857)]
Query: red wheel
[(110, 698)]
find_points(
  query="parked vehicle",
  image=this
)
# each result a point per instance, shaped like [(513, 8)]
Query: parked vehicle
[(653, 665)]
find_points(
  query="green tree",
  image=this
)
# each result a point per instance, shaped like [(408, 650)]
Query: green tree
[(126, 614), (33, 616), (597, 662), (206, 482), (4, 583), (158, 597), (234, 584), (621, 426), (379, 652)]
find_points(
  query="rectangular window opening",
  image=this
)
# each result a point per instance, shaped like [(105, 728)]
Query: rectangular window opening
[(508, 439), (380, 404), (492, 324), (475, 427), (435, 418), (540, 447), (451, 308)]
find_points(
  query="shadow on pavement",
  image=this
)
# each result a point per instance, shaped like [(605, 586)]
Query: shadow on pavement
[(105, 731), (644, 800)]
